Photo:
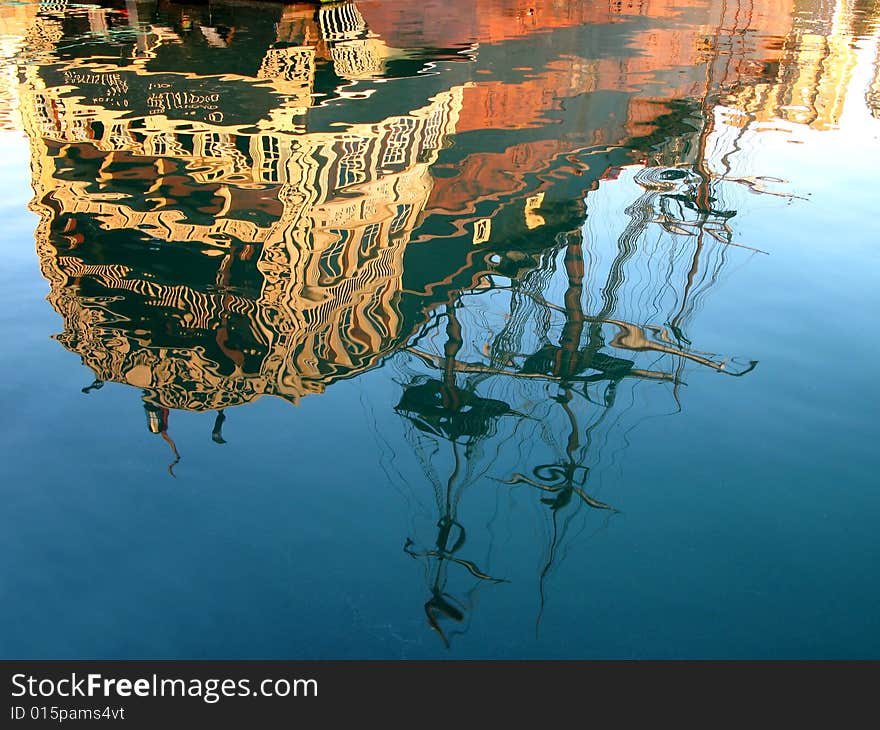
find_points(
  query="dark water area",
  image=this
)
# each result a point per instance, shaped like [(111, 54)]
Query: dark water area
[(466, 329)]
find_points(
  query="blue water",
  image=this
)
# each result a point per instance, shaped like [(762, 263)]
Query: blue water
[(438, 441)]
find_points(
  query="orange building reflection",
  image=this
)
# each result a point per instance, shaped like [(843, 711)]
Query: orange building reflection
[(208, 242)]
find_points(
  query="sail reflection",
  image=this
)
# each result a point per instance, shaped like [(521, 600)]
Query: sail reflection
[(251, 199)]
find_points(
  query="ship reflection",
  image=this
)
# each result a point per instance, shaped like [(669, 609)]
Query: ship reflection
[(241, 200), (556, 365)]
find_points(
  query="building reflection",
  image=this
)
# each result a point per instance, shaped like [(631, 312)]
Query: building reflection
[(291, 268), (242, 199)]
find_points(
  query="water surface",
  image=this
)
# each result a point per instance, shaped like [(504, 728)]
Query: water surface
[(454, 329)]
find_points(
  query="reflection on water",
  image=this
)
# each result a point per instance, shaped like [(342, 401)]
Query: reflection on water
[(515, 209)]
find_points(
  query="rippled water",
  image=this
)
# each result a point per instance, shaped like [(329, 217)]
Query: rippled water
[(511, 328)]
